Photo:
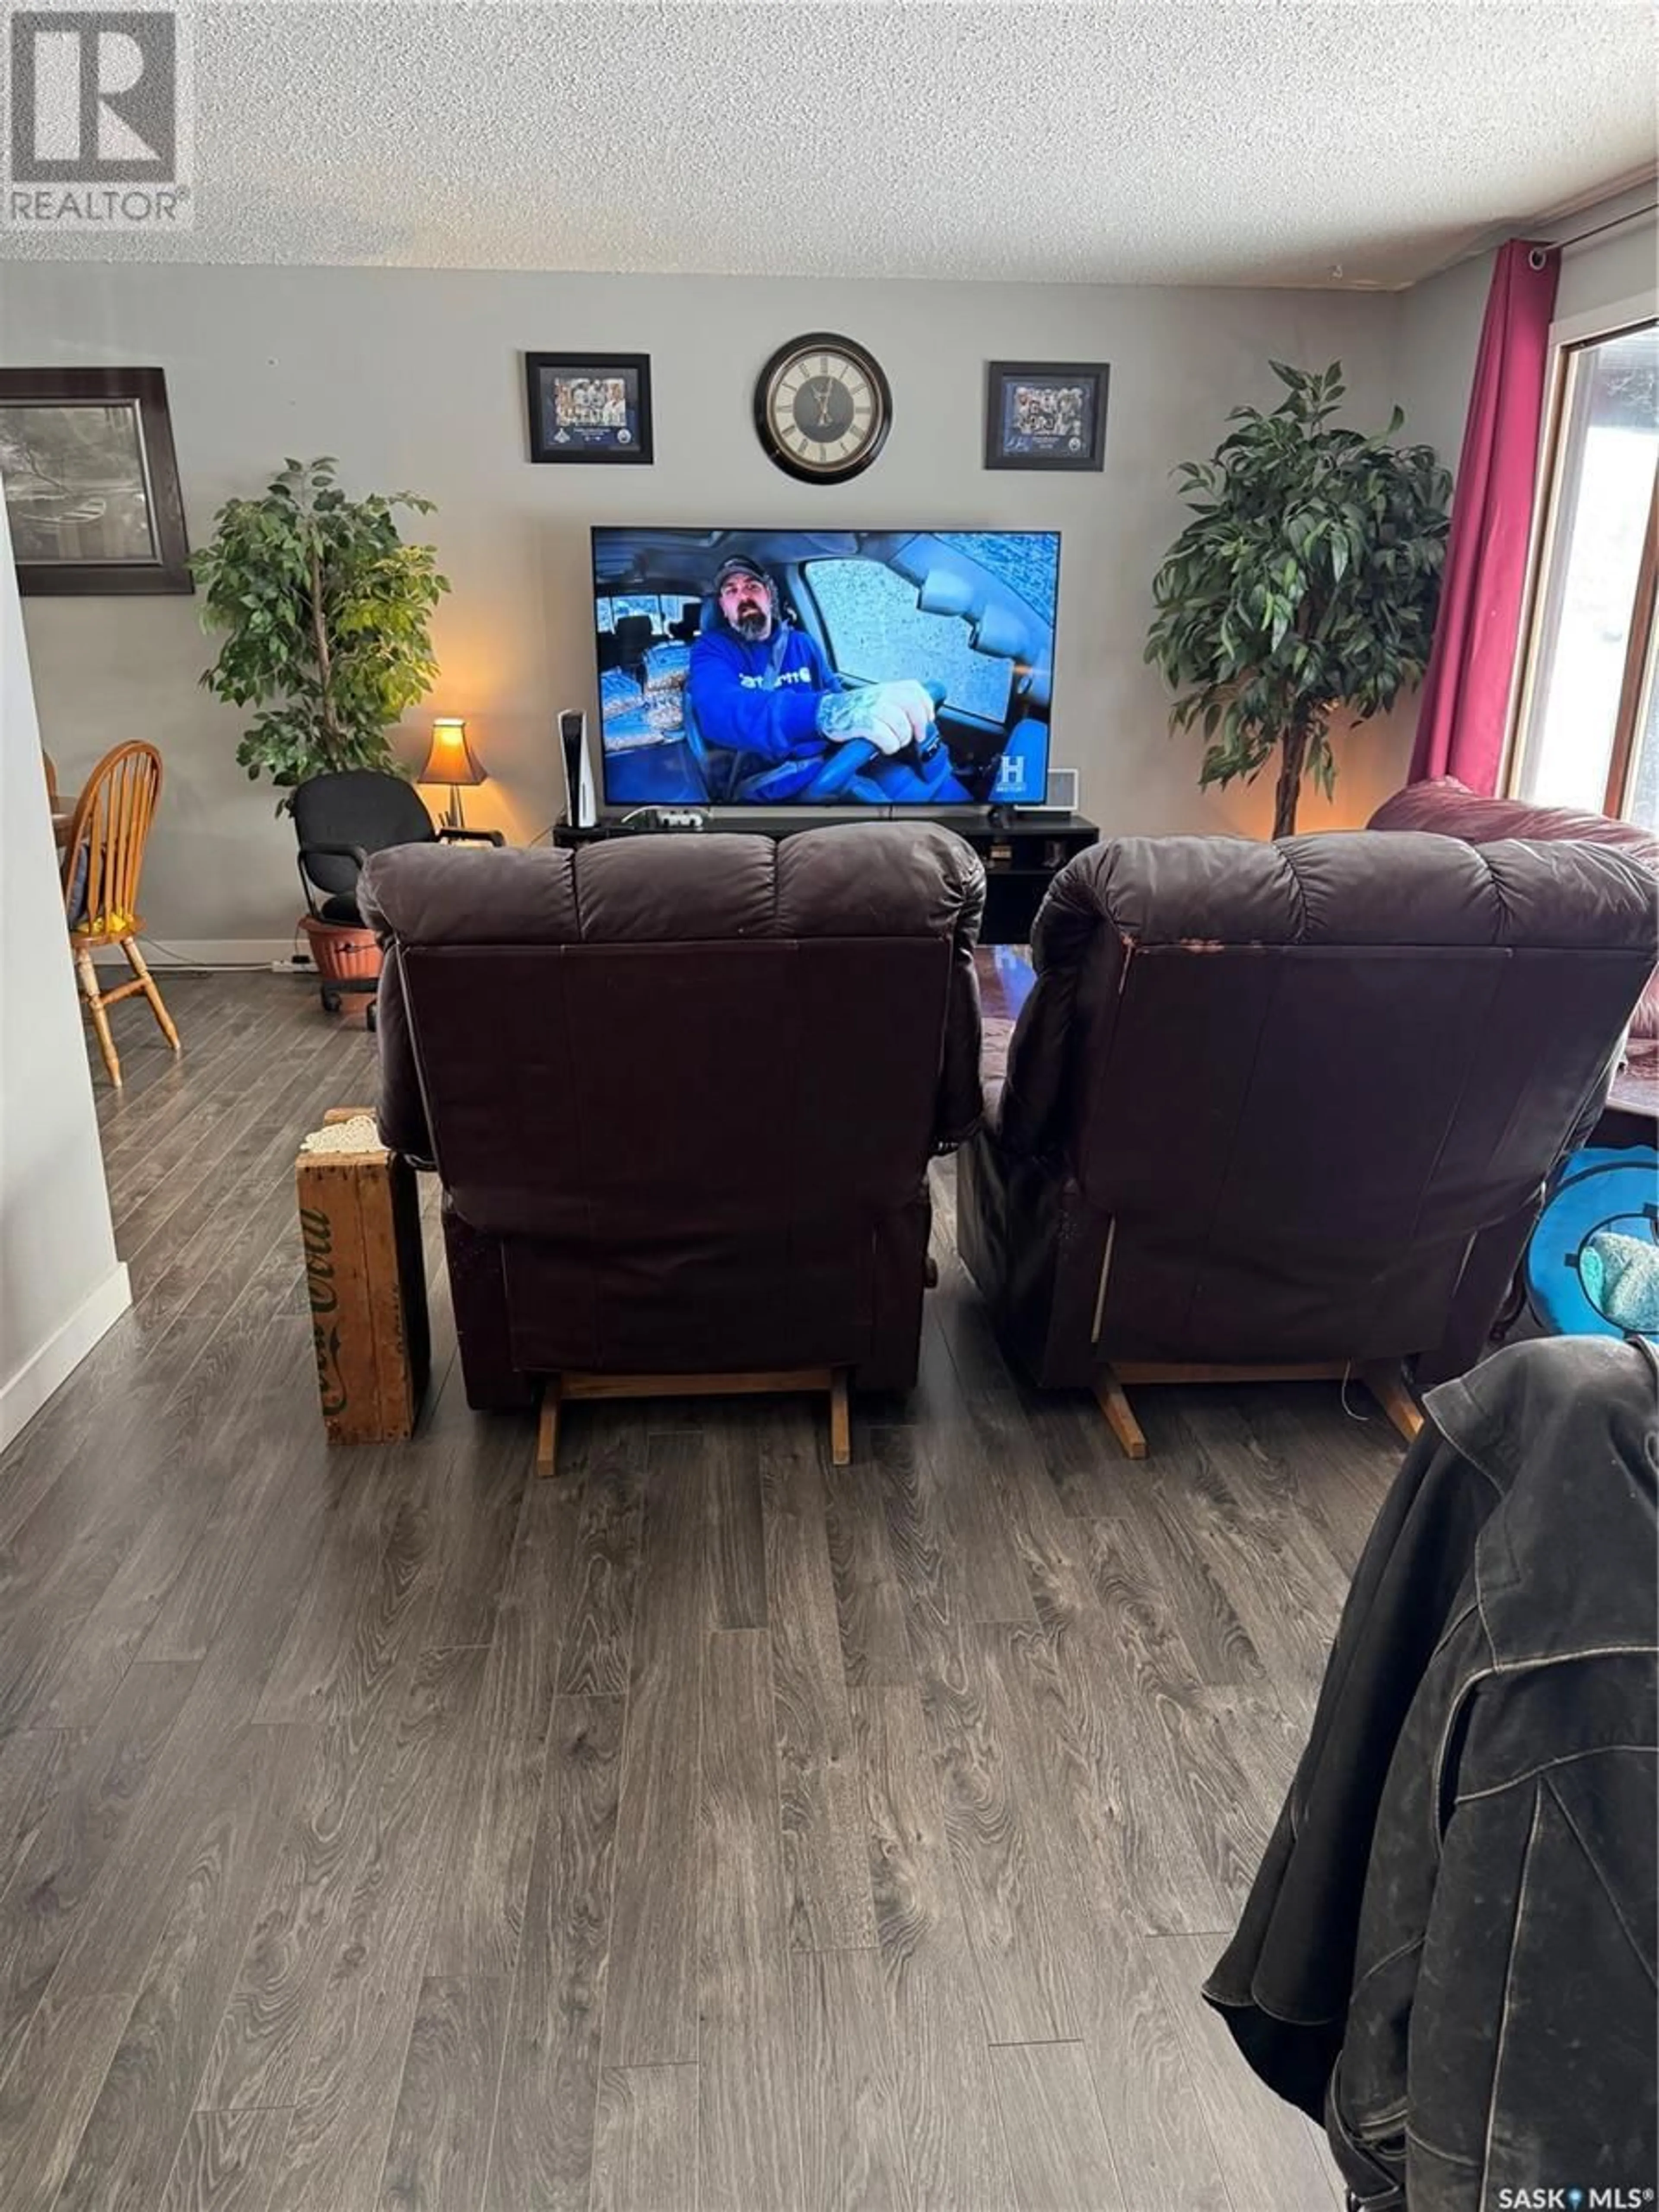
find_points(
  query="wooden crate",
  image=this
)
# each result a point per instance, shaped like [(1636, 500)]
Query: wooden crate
[(360, 1223)]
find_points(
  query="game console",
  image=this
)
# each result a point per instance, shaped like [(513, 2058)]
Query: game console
[(653, 819), (579, 810)]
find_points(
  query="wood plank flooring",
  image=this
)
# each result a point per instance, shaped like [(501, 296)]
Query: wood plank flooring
[(710, 1830)]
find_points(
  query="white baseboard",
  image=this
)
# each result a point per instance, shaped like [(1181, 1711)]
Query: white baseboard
[(201, 952), (22, 1397)]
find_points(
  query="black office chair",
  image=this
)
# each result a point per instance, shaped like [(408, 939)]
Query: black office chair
[(340, 819)]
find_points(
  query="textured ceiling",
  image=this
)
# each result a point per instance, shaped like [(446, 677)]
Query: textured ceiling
[(1227, 142)]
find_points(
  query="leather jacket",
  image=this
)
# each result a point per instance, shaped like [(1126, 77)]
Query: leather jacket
[(1448, 1953)]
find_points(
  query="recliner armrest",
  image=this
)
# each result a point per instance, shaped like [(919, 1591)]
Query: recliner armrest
[(357, 853)]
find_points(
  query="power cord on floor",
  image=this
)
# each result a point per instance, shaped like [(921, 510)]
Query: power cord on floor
[(181, 963), (1362, 1418)]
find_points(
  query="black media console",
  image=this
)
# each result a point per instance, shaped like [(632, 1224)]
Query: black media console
[(1022, 858)]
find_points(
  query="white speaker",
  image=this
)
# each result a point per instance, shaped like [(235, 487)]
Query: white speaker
[(1061, 796), (579, 809)]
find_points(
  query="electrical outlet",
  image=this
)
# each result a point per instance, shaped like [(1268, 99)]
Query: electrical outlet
[(297, 963)]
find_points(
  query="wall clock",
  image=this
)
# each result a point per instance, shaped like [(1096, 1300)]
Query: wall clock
[(823, 408)]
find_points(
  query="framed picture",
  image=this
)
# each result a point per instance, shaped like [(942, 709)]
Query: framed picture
[(1046, 414), (589, 406), (91, 483)]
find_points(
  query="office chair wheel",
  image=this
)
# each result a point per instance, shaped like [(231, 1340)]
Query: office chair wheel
[(370, 1018), (331, 999)]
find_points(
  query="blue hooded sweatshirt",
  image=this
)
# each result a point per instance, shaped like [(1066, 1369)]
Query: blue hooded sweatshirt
[(760, 700)]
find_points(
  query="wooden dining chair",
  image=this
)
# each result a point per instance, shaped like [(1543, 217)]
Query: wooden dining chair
[(103, 858)]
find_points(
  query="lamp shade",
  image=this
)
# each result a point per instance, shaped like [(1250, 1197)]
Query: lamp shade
[(450, 760)]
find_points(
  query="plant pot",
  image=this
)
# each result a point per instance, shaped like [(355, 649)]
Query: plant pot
[(346, 955)]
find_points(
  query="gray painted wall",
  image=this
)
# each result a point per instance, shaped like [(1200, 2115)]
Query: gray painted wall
[(61, 1286), (1440, 320), (413, 379)]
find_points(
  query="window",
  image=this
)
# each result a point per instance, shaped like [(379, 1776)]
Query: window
[(1587, 733)]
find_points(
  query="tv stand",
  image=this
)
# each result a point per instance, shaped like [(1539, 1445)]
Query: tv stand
[(1022, 858)]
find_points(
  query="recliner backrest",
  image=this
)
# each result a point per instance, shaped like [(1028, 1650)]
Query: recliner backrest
[(719, 1031), (1450, 809), (1316, 1070)]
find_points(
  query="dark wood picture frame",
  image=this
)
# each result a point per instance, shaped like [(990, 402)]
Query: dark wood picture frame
[(143, 389), (632, 446), (1089, 450)]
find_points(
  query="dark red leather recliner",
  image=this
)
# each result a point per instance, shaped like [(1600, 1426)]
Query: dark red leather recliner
[(682, 1092), (1450, 809), (1293, 1104)]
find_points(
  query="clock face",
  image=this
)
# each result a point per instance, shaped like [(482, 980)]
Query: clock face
[(822, 408)]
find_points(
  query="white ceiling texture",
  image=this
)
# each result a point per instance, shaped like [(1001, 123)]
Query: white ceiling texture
[(1233, 142)]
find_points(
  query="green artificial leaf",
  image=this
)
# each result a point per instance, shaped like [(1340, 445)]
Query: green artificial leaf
[(306, 559), (1307, 576)]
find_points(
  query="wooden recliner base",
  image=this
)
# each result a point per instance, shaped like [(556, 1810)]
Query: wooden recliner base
[(1384, 1382), (559, 1388)]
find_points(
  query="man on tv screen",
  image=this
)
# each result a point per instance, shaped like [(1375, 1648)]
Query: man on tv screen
[(762, 689)]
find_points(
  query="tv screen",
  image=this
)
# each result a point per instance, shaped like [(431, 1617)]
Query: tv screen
[(825, 668)]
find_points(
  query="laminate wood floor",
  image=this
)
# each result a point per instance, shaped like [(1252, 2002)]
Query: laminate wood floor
[(711, 1828)]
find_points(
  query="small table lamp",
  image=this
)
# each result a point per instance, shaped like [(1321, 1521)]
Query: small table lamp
[(451, 762)]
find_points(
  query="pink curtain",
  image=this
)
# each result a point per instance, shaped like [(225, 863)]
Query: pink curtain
[(1465, 692)]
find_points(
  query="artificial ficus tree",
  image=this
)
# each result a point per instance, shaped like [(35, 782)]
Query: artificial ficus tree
[(1307, 582), (328, 620)]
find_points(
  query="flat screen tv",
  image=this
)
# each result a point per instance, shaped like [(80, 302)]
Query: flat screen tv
[(840, 668)]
